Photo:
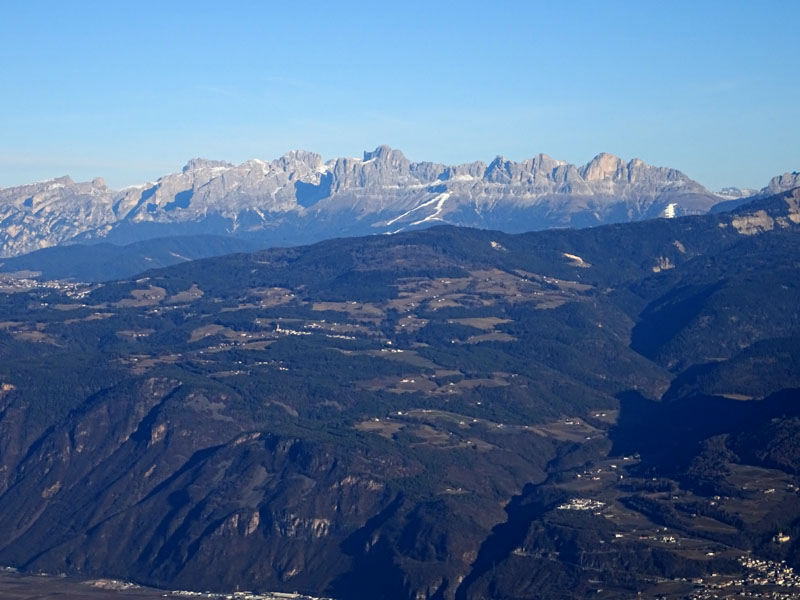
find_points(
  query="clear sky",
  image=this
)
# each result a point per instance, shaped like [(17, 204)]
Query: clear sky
[(131, 90)]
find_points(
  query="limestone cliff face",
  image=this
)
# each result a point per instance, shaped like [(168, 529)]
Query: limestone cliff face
[(51, 212), (300, 198), (781, 183)]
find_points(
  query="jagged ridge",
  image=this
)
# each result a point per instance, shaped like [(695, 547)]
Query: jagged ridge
[(300, 198)]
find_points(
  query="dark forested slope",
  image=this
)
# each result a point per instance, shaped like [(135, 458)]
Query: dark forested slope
[(449, 413)]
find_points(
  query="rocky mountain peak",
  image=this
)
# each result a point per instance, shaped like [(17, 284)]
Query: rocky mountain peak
[(603, 166), (543, 160), (500, 170), (383, 166), (204, 163), (781, 183), (543, 165), (387, 155), (734, 193), (295, 158), (465, 172)]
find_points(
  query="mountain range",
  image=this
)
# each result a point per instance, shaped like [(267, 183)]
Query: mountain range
[(299, 198)]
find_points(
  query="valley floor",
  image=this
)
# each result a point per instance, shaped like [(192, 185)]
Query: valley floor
[(19, 586)]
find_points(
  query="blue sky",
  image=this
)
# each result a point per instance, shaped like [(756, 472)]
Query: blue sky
[(130, 91)]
